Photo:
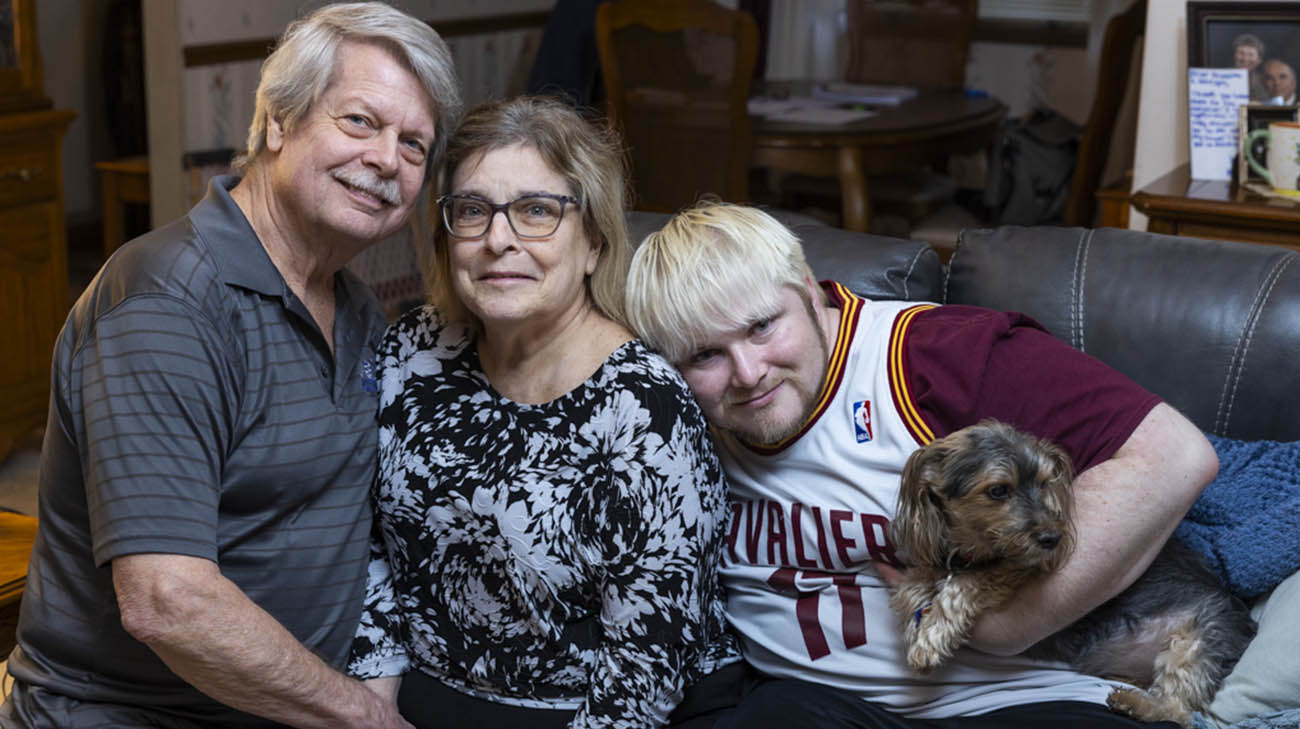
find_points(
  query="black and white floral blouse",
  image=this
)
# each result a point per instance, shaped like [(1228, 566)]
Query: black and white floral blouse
[(560, 555)]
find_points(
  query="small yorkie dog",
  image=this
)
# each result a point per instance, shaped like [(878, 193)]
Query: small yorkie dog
[(988, 507)]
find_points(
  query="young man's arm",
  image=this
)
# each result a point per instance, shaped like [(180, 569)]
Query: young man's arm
[(208, 631), (1125, 509)]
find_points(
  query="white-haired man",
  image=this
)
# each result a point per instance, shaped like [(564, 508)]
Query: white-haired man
[(201, 558), (817, 398)]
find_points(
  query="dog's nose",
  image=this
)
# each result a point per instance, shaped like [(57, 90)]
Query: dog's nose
[(1047, 540)]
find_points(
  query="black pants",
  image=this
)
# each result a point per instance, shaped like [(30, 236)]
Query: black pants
[(786, 703), (428, 703)]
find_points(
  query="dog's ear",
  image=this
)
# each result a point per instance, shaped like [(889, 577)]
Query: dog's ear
[(1059, 489), (1060, 477), (919, 527)]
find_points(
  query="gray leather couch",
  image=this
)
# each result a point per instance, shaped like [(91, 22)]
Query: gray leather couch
[(1213, 327)]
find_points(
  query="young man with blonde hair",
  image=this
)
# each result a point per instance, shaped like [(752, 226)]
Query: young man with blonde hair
[(817, 397)]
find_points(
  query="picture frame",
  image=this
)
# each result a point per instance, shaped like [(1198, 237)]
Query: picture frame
[(1250, 118), (1217, 29)]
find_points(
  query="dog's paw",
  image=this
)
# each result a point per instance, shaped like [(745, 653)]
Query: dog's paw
[(931, 641), (918, 641), (924, 661), (1145, 706), (1124, 701)]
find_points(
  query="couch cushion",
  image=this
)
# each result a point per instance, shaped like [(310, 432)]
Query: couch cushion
[(1210, 326), (873, 266), (1267, 678)]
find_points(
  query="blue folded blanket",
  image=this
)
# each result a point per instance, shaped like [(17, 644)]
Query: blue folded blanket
[(1247, 521), (1288, 719)]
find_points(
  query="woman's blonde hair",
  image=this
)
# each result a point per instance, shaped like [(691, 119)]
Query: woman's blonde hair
[(590, 158), (707, 270)]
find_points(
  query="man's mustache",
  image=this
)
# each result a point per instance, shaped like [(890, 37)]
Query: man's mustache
[(386, 190)]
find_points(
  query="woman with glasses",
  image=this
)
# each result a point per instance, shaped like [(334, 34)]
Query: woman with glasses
[(549, 508)]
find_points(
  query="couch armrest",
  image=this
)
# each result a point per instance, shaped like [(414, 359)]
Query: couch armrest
[(1212, 327)]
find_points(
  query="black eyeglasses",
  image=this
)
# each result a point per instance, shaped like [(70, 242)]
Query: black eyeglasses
[(533, 216)]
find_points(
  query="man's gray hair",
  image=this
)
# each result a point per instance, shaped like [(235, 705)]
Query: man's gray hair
[(300, 69)]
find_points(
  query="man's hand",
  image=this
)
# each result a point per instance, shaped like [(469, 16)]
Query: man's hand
[(889, 573), (210, 634)]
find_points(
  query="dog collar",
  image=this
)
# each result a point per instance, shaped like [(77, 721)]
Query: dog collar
[(965, 561)]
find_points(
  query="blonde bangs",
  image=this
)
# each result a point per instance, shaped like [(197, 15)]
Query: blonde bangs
[(713, 268)]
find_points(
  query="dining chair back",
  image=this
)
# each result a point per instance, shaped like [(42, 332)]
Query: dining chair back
[(921, 43), (924, 44), (1118, 46), (677, 78)]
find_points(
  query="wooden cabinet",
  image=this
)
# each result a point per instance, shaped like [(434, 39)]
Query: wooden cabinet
[(1178, 205), (33, 264)]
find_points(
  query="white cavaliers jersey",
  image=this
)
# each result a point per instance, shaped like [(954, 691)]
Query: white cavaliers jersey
[(810, 514)]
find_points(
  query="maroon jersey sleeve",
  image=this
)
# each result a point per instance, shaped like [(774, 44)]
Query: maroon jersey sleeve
[(966, 363)]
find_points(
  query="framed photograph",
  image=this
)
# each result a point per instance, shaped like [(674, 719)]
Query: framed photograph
[(1263, 37), (1258, 116)]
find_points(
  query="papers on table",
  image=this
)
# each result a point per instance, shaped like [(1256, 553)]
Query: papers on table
[(872, 94), (806, 110), (831, 103)]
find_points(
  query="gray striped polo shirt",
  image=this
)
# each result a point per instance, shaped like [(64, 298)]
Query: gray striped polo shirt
[(197, 410)]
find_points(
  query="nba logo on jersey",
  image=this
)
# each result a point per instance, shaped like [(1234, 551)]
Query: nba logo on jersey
[(862, 420)]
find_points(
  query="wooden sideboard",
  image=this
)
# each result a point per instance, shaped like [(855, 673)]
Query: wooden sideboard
[(1179, 205), (17, 533), (33, 264)]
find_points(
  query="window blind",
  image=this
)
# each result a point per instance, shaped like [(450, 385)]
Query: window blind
[(1064, 10)]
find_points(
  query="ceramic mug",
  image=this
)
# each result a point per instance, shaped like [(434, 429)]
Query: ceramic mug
[(1283, 168)]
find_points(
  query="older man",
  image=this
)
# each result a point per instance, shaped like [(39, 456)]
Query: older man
[(817, 398), (1247, 53), (204, 481), (1279, 80)]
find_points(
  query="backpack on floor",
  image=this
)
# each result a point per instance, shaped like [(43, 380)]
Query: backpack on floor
[(1030, 169)]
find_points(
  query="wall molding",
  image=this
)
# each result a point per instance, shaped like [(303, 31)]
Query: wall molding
[(209, 54), (1055, 33)]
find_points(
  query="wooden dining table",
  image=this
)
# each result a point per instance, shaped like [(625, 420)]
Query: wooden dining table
[(924, 130)]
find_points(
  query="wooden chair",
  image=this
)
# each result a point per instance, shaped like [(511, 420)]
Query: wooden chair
[(1118, 46), (921, 43), (677, 77)]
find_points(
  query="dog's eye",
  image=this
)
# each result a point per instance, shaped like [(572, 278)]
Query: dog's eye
[(999, 491)]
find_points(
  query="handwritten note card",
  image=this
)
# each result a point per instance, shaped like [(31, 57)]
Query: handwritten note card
[(1213, 95)]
